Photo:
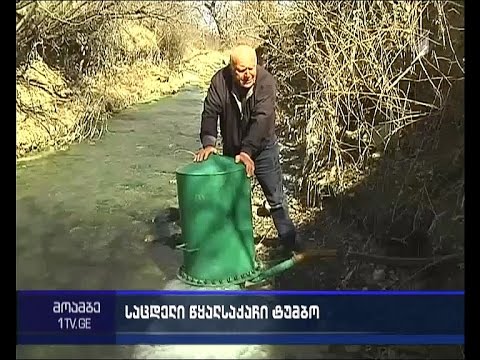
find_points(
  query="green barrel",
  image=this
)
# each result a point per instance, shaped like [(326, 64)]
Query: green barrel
[(214, 198)]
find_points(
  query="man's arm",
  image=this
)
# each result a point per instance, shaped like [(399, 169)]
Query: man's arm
[(262, 119), (211, 110)]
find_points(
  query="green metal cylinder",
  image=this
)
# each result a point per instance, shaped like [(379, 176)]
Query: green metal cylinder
[(214, 198)]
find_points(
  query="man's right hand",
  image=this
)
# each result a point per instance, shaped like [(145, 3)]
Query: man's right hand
[(204, 153)]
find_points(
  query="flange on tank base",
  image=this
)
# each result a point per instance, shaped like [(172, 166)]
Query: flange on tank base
[(260, 276), (179, 284), (238, 281), (196, 284), (256, 278)]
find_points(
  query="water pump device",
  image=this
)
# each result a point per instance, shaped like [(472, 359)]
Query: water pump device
[(214, 198)]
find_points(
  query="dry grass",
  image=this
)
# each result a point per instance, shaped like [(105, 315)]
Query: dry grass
[(46, 121), (370, 106), (354, 75), (87, 60)]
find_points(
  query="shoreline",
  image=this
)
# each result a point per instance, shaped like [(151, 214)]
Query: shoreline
[(53, 126)]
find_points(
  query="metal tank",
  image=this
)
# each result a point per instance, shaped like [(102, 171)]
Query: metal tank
[(214, 198)]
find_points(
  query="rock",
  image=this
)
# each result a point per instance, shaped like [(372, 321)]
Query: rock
[(378, 275), (150, 238), (263, 212)]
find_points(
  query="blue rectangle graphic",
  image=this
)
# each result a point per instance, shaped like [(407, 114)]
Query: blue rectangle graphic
[(110, 317), (241, 339)]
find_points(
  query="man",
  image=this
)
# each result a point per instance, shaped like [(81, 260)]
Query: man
[(242, 95)]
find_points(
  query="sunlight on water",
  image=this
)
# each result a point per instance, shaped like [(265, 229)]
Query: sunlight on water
[(228, 351), (199, 351)]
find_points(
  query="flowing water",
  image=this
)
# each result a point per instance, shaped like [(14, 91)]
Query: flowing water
[(82, 217)]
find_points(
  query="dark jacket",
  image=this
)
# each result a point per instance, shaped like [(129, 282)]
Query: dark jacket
[(248, 131)]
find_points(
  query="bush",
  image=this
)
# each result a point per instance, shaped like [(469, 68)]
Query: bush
[(101, 51), (353, 75), (171, 46)]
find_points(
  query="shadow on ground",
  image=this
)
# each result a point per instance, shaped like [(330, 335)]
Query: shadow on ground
[(402, 228), (411, 206)]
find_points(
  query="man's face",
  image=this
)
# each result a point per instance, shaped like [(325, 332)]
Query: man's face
[(245, 72)]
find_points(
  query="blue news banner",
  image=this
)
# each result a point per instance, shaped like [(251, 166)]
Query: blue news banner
[(180, 317)]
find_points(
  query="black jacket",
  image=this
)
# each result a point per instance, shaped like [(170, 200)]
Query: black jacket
[(249, 132)]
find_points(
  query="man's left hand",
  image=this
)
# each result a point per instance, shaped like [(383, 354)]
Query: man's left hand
[(247, 161)]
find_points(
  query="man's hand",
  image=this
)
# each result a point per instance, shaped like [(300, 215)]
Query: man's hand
[(203, 154), (247, 161)]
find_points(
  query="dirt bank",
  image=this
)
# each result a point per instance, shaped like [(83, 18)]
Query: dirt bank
[(392, 198), (401, 228), (49, 108)]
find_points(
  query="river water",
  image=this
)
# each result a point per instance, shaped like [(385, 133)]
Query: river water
[(82, 216)]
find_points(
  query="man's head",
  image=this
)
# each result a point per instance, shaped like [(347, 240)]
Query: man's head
[(243, 61)]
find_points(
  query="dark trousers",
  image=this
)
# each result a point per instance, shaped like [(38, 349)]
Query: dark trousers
[(269, 175)]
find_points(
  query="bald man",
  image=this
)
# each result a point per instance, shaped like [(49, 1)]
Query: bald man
[(242, 97)]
